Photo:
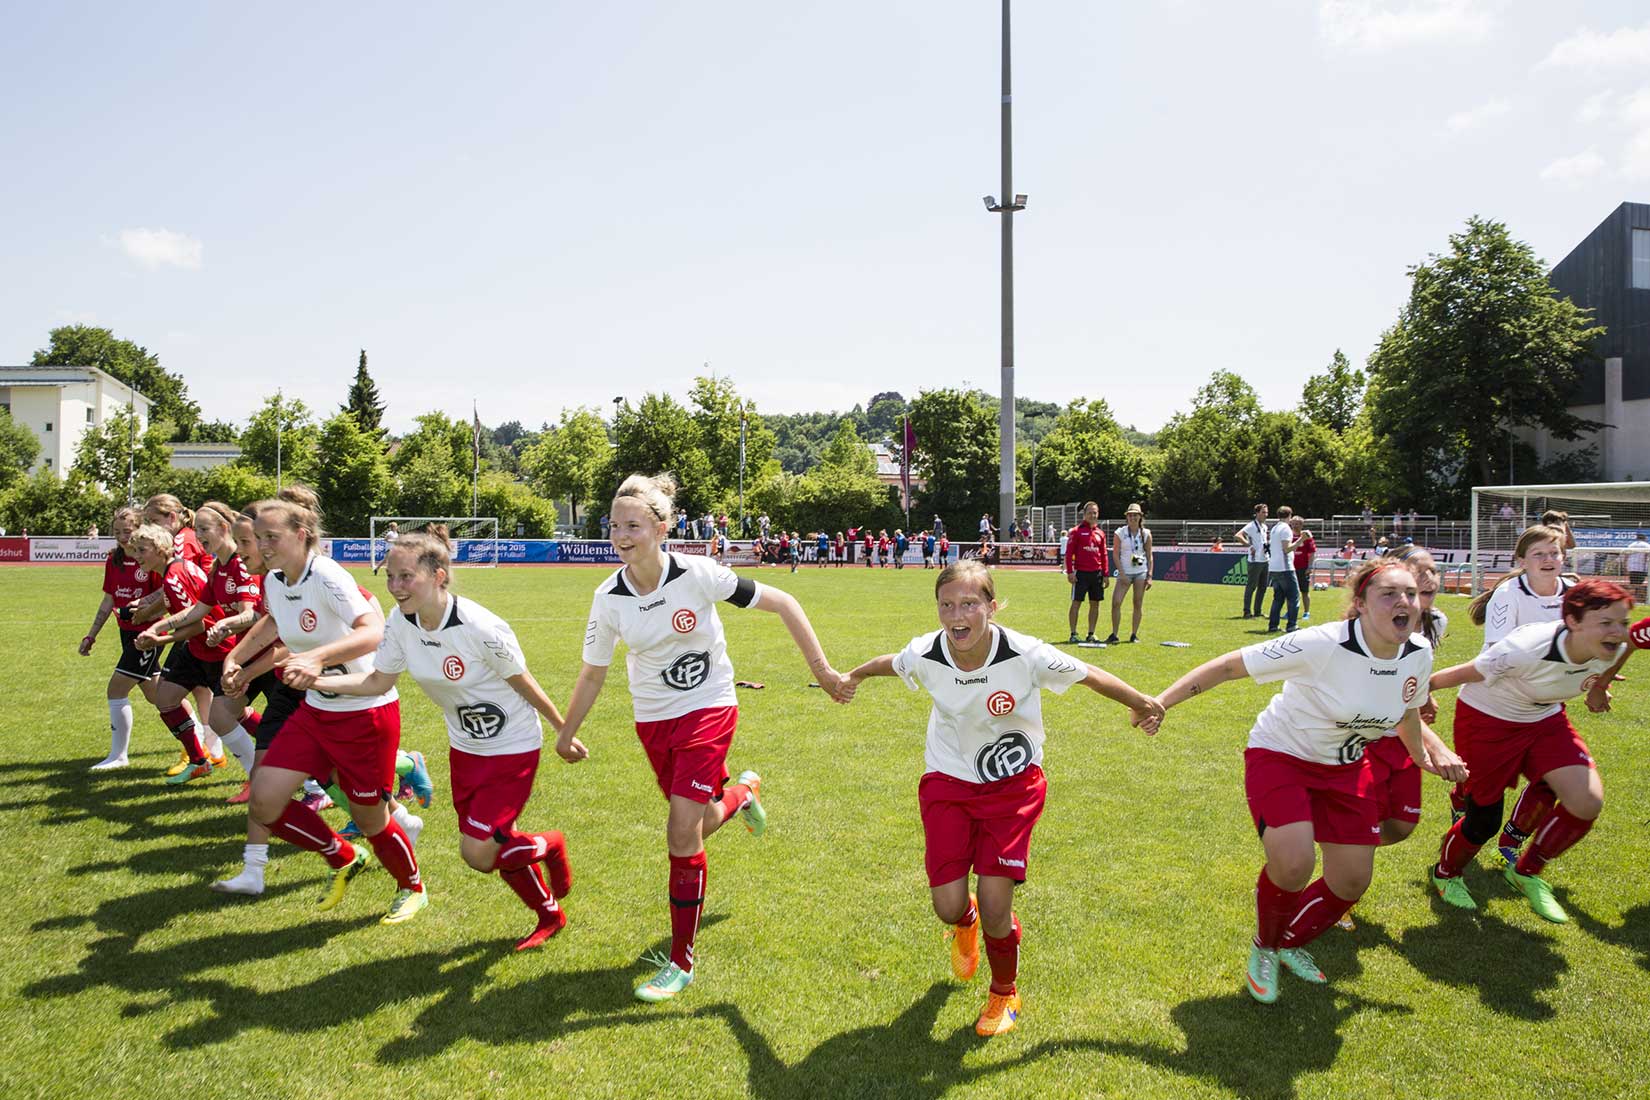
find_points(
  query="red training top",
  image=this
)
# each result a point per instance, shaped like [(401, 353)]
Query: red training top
[(125, 580), (187, 546), (1304, 554), (1086, 550), (185, 586)]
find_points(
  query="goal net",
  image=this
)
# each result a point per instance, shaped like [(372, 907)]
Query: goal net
[(474, 539), (1610, 522)]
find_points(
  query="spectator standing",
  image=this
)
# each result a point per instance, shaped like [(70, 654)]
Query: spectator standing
[(1306, 550), (927, 549), (1132, 551), (1086, 569), (1282, 542), (939, 527), (1638, 556), (1217, 546), (605, 522), (763, 522), (944, 549), (1253, 538), (986, 530), (901, 543), (1053, 535)]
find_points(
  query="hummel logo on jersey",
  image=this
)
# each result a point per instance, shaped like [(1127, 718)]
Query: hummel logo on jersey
[(698, 786), (1061, 666), (293, 598), (972, 680), (1020, 863), (432, 645), (474, 824), (1383, 672), (660, 602), (687, 671), (1280, 649)]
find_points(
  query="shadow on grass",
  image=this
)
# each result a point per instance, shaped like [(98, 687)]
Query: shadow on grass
[(136, 801), (1633, 933)]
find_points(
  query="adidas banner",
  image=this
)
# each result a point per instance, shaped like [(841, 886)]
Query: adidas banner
[(1200, 567)]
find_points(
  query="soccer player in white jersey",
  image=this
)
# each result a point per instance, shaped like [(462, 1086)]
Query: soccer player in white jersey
[(983, 788), (1511, 703), (326, 626), (1307, 777), (663, 607), (469, 663)]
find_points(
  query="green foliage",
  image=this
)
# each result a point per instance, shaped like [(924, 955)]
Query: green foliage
[(295, 457), (847, 451), (354, 479), (660, 436), (214, 431), (438, 440), (48, 505), (90, 346), (717, 410), (1085, 457), (957, 453), (363, 402), (571, 461), (1483, 345), (427, 485), (883, 416), (18, 450), (1335, 397), (515, 505), (103, 452)]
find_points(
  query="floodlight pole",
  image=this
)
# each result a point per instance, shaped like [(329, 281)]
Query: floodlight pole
[(1009, 204)]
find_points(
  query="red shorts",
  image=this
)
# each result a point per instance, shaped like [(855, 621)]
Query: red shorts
[(358, 747), (1338, 799), (489, 792), (1397, 780), (690, 754), (1498, 751), (986, 826)]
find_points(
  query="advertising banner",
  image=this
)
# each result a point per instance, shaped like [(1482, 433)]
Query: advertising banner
[(14, 550), (1200, 567), (60, 550)]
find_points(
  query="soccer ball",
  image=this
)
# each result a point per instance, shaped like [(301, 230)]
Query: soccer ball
[(1319, 586)]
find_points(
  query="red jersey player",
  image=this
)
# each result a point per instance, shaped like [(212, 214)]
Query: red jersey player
[(1086, 568), (125, 582)]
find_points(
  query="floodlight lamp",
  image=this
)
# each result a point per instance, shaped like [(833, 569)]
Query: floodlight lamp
[(991, 203)]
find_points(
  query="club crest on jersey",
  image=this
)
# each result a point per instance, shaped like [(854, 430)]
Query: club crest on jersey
[(999, 703), (1411, 686), (1352, 750), (1009, 755), (684, 621), (687, 671), (481, 720), (452, 668), (307, 620)]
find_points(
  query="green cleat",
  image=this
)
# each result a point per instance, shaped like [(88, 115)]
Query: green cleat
[(1540, 894), (192, 772), (752, 813), (669, 981), (1453, 890), (406, 905), (1301, 965), (341, 878), (1263, 974)]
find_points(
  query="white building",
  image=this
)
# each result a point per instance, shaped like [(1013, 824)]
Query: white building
[(58, 404), (203, 456)]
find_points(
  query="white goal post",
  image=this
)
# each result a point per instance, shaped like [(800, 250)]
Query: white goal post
[(474, 538), (1608, 520)]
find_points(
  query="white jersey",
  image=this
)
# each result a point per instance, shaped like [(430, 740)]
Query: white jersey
[(462, 666), (678, 660), (1529, 674), (1277, 548), (986, 724), (1514, 604), (317, 609), (1336, 697)]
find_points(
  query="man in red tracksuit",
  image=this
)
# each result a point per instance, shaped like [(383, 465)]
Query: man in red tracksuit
[(1086, 567)]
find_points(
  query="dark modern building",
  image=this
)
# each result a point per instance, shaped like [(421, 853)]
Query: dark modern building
[(1609, 273)]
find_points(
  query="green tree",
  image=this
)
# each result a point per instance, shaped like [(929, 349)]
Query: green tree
[(18, 450), (48, 505), (214, 431), (571, 460), (717, 411), (295, 458), (1335, 397), (363, 403), (884, 415), (957, 453), (1209, 455), (440, 438), (1484, 345), (660, 436), (1086, 457), (353, 478), (102, 455), (516, 506), (847, 451), (427, 485), (90, 346)]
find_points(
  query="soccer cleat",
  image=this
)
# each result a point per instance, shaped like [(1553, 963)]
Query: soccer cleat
[(1306, 618), (1453, 890), (1000, 1013), (752, 813), (405, 906), (1073, 639), (180, 765), (110, 763), (350, 831), (1134, 638), (197, 771), (965, 946), (248, 882), (341, 878), (1509, 854), (1111, 639), (1346, 923), (669, 981), (316, 802), (1301, 965), (1540, 895), (549, 924), (220, 761), (1089, 639), (1263, 974), (419, 778), (242, 796), (558, 868)]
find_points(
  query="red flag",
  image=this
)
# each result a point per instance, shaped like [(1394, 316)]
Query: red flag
[(909, 443)]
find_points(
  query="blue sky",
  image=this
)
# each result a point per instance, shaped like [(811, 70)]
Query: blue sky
[(547, 205)]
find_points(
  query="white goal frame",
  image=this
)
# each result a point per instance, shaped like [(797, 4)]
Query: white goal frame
[(469, 551), (1491, 533)]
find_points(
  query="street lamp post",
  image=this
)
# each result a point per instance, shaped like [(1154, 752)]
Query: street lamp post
[(1011, 203)]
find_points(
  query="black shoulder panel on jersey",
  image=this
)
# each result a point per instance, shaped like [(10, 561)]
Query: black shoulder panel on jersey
[(674, 569), (744, 593), (619, 587), (452, 616), (1409, 647), (1554, 653), (1351, 642), (936, 652), (1005, 652)]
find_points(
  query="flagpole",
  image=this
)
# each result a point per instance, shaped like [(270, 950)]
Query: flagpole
[(475, 474)]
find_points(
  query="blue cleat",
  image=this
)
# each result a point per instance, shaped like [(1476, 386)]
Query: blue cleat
[(419, 777)]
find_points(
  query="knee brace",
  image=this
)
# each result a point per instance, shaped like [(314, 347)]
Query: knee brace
[(1481, 822)]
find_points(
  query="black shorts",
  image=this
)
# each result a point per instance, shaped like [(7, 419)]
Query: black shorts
[(279, 704), (188, 671), (1092, 585), (139, 664)]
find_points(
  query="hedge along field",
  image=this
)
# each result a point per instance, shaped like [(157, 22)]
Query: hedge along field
[(822, 971)]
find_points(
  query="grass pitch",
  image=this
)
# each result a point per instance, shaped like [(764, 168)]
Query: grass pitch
[(821, 968)]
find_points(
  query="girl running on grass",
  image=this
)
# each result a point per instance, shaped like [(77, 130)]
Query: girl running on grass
[(1306, 774), (663, 607), (469, 663), (983, 788), (125, 581)]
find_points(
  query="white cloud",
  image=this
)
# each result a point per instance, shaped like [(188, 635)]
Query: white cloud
[(1635, 109), (1593, 108), (1381, 24), (1570, 171), (1589, 49), (1474, 117), (1635, 162), (157, 248)]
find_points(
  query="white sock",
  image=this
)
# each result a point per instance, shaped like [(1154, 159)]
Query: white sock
[(400, 815), (312, 787), (239, 742), (212, 743), (256, 856), (120, 728)]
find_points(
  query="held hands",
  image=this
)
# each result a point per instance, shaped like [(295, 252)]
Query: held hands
[(216, 633), (839, 687), (570, 748), (233, 673), (1147, 718), (148, 640), (302, 670)]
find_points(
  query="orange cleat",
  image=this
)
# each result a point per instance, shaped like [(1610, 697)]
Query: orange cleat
[(1001, 1012), (965, 945), (242, 796), (549, 925)]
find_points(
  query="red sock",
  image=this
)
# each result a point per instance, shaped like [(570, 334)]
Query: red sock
[(1555, 837), (395, 852), (1455, 852), (517, 850), (528, 883), (733, 799), (1529, 812), (1319, 908), (1273, 907), (303, 828), (250, 721), (1004, 956), (687, 898), (970, 917), (182, 725)]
